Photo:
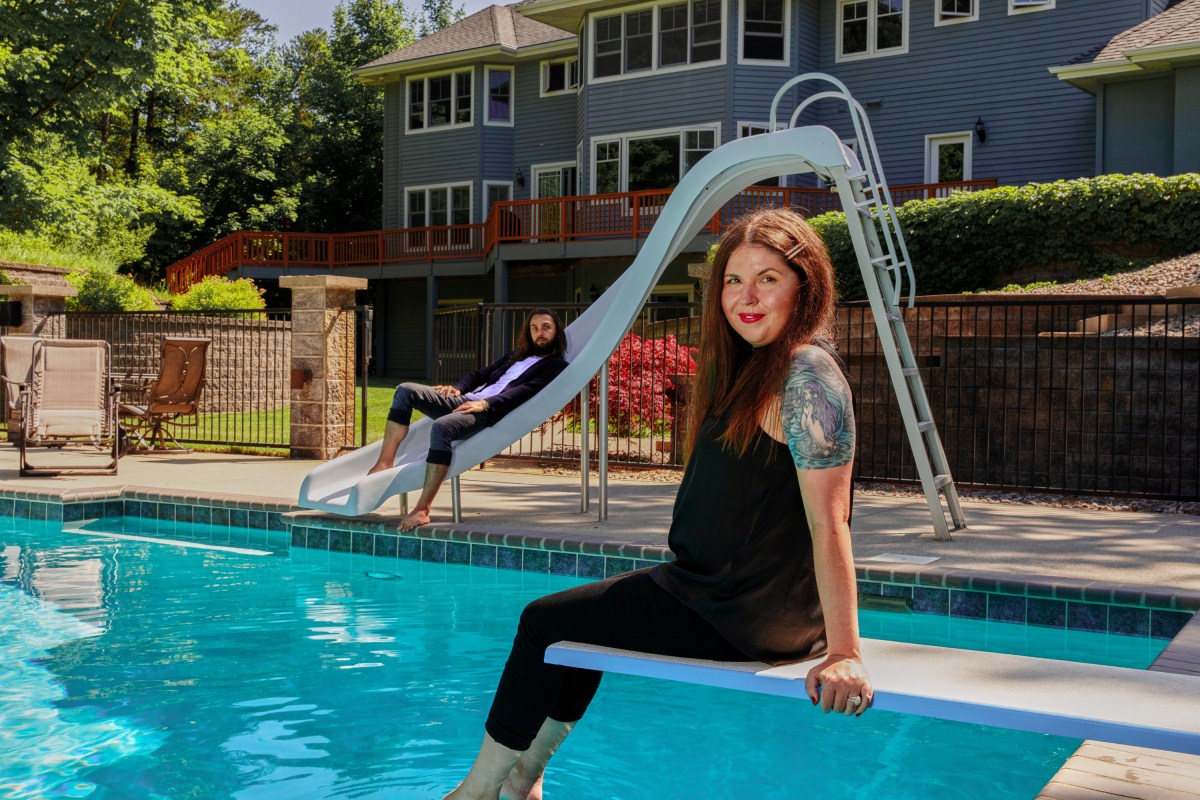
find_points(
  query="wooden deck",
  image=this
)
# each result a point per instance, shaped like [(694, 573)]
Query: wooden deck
[(1099, 771)]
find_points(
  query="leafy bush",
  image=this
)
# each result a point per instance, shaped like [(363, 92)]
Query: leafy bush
[(104, 291), (1078, 228), (639, 373), (216, 293)]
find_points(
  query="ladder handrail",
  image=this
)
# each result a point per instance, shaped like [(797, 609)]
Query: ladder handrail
[(869, 161)]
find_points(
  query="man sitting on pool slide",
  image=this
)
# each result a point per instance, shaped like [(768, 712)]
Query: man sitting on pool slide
[(474, 402)]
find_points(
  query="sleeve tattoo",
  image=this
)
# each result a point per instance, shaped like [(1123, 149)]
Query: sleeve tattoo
[(818, 417)]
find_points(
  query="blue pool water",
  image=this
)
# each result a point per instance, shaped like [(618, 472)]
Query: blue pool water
[(148, 669)]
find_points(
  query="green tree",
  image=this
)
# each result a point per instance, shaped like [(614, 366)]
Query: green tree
[(337, 127), (438, 14)]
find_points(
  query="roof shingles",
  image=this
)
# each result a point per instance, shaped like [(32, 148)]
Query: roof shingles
[(1179, 24), (494, 26)]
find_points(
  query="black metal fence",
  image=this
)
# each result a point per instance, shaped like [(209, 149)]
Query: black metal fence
[(246, 396), (648, 375), (1087, 395)]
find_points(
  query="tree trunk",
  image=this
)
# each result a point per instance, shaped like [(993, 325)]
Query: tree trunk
[(131, 163)]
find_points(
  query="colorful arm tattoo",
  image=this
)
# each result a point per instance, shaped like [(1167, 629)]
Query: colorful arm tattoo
[(818, 417)]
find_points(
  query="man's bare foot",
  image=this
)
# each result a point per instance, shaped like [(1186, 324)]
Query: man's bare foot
[(417, 518)]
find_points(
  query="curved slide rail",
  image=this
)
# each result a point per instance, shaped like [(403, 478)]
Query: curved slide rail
[(342, 486)]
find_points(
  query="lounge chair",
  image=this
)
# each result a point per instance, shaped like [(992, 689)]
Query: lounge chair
[(16, 364), (172, 399), (70, 400)]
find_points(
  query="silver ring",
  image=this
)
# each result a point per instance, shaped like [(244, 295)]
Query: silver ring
[(854, 700)]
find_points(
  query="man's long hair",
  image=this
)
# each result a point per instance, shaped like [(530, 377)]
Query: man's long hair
[(524, 348), (733, 379)]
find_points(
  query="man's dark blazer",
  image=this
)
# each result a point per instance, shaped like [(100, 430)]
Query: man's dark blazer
[(526, 385)]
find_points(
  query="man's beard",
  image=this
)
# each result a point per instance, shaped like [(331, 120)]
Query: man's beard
[(543, 349)]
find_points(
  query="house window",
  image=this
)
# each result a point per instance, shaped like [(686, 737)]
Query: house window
[(496, 193), (764, 30), (439, 205), (499, 107), (1022, 6), (948, 157), (652, 159), (560, 76), (440, 101), (608, 167), (696, 145), (870, 28), (663, 36), (949, 12)]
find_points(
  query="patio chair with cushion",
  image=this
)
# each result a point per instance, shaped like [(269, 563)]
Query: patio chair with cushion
[(70, 400), (173, 399), (16, 364)]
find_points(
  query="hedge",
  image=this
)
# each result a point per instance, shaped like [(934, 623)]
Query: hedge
[(217, 293), (104, 291), (1080, 228)]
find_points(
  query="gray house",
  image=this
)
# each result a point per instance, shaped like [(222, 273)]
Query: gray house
[(529, 147)]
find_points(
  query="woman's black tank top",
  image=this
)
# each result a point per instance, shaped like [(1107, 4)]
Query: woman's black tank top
[(743, 553)]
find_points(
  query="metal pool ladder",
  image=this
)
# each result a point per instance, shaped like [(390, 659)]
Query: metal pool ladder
[(883, 260)]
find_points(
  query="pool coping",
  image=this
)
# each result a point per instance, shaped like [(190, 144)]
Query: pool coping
[(1044, 601)]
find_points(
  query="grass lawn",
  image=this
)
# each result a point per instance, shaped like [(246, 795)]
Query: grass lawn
[(274, 424)]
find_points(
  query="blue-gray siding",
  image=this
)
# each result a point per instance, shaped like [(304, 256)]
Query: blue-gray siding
[(1038, 128), (1138, 126), (545, 126), (392, 130), (1187, 119)]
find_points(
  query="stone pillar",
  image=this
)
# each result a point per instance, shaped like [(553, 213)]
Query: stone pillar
[(322, 368), (42, 308)]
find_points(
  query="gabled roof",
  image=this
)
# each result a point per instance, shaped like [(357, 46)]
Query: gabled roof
[(1179, 24), (1169, 38), (498, 27)]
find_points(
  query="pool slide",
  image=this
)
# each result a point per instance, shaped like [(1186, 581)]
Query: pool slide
[(342, 486)]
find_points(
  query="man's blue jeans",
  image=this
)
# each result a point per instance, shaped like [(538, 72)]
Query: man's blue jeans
[(448, 425)]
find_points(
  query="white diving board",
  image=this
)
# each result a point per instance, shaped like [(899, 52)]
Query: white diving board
[(1159, 710)]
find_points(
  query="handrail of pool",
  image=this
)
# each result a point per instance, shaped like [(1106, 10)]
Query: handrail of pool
[(1159, 710), (342, 486)]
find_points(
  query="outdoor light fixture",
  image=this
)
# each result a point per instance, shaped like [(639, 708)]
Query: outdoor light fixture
[(594, 292), (519, 177), (980, 131)]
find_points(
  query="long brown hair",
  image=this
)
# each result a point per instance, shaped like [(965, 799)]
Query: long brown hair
[(525, 344), (734, 380)]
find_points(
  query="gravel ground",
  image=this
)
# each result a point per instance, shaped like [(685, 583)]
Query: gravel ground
[(1155, 279)]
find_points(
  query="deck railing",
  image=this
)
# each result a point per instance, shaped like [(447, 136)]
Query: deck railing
[(627, 215)]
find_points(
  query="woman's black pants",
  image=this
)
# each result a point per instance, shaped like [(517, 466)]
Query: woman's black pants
[(629, 611)]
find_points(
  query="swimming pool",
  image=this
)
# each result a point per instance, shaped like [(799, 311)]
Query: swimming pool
[(239, 667)]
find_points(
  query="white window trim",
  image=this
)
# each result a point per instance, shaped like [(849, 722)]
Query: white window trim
[(751, 123), (445, 187), (454, 101), (483, 194), (624, 139), (1044, 5), (654, 68), (543, 74), (675, 288), (548, 167), (871, 28), (932, 139), (938, 21), (487, 97), (787, 37)]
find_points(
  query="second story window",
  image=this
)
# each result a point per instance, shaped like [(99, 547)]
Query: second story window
[(499, 107), (952, 11), (440, 101), (871, 27), (764, 30), (665, 35), (1021, 6), (561, 75)]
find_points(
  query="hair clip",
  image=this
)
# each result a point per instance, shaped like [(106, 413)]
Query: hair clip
[(795, 251)]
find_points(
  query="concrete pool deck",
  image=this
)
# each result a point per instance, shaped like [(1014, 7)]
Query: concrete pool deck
[(1117, 547)]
